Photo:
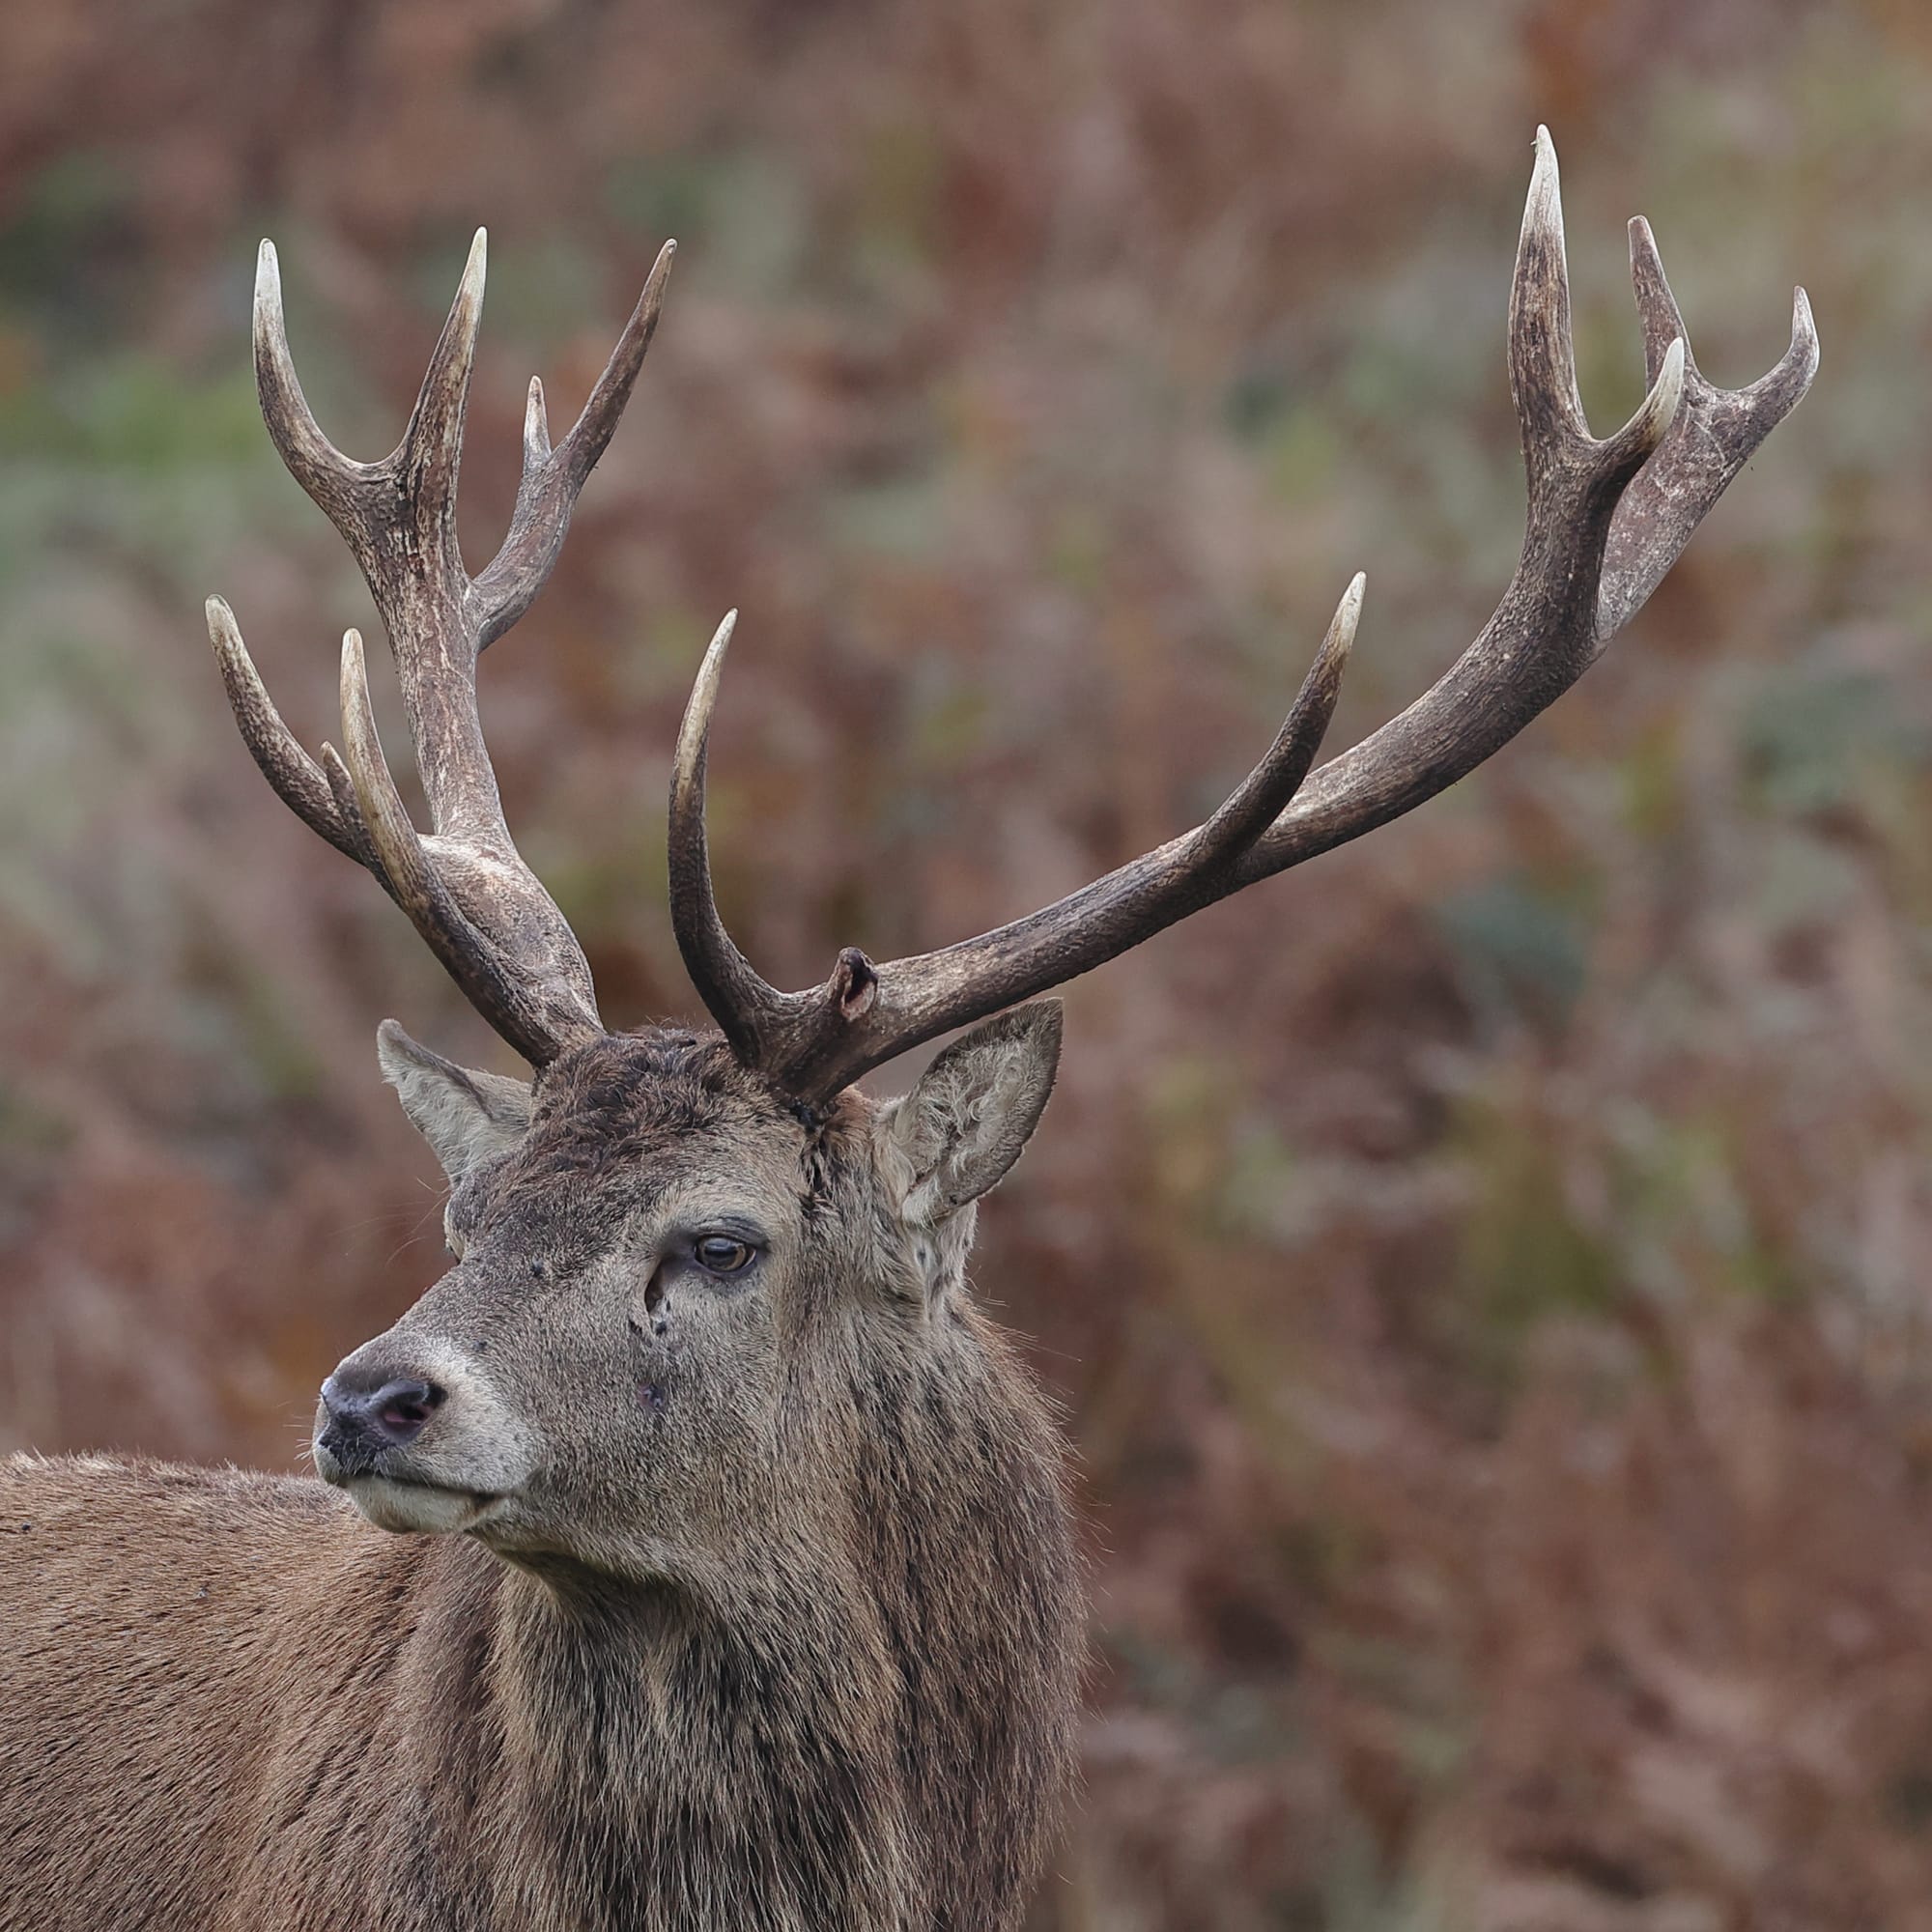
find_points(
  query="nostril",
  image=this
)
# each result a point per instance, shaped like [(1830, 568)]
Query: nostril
[(402, 1407)]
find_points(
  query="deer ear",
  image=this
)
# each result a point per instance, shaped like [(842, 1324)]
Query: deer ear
[(467, 1118), (959, 1130)]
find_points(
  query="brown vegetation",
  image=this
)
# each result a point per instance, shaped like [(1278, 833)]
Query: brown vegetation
[(1482, 1270)]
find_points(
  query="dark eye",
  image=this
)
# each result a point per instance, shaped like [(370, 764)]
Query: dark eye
[(722, 1254)]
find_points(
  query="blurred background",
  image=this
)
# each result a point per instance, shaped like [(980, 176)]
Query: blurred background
[(1484, 1271)]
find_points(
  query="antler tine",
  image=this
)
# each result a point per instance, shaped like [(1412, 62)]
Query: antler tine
[(744, 1005), (340, 485), (297, 777), (1541, 355), (548, 492), (1264, 793), (1560, 607), (429, 458)]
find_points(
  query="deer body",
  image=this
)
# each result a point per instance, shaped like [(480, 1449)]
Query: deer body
[(231, 1702), (704, 1561)]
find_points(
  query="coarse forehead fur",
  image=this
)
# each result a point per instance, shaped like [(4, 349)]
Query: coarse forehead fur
[(629, 1117)]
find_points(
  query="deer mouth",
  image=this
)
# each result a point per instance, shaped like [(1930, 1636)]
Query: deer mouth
[(407, 1505)]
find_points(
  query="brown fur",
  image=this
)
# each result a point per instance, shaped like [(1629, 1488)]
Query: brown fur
[(780, 1629)]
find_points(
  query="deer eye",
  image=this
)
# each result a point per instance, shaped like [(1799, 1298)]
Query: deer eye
[(722, 1254)]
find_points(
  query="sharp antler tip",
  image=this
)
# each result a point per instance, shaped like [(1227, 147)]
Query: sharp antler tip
[(1670, 378), (474, 267), (1543, 211), (660, 268), (268, 277), (1341, 637)]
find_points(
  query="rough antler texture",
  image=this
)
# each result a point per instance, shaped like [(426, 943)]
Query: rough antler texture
[(1606, 521), (464, 884)]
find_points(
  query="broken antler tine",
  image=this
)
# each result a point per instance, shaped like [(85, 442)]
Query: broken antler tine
[(591, 434), (1541, 361), (732, 989), (313, 461), (431, 451), (1264, 793), (297, 780)]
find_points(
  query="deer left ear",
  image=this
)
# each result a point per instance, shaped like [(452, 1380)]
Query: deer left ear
[(467, 1118), (959, 1130)]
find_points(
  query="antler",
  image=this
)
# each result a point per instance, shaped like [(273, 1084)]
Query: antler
[(1606, 521), (464, 885)]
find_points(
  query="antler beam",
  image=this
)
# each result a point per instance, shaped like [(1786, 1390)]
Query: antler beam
[(1606, 519), (463, 884)]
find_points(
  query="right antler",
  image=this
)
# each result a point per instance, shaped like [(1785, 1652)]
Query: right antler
[(1606, 521), (464, 885)]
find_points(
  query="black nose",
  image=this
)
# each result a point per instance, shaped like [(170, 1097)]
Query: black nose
[(369, 1413)]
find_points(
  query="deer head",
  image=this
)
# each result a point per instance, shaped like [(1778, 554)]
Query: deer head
[(704, 1285)]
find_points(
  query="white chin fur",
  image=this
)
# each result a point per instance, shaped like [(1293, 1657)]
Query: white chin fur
[(409, 1509)]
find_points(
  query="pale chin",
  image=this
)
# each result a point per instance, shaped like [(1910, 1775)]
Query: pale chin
[(415, 1509)]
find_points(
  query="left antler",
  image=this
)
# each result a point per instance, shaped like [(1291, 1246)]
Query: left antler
[(1606, 521), (464, 883)]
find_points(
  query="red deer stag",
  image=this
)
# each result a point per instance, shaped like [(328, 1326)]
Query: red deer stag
[(734, 1586)]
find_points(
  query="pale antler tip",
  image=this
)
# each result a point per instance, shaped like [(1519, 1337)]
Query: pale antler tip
[(1669, 385), (1543, 211), (267, 278), (1803, 329), (476, 268), (721, 639), (536, 420), (1543, 173), (1657, 411), (1348, 615), (654, 282), (1341, 637)]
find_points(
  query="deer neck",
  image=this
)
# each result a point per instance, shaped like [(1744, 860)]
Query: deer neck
[(678, 1764)]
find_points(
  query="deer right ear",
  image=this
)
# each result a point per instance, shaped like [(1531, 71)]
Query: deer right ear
[(959, 1130), (467, 1118)]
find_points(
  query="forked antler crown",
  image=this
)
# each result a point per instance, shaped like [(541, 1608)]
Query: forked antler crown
[(1606, 519)]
